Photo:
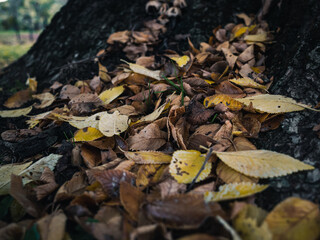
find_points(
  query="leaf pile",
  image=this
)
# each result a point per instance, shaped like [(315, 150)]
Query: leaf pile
[(158, 143)]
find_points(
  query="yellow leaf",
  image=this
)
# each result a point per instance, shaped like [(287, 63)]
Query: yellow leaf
[(228, 175), (249, 224), (149, 174), (46, 100), (109, 95), (5, 175), (113, 124), (185, 165), (181, 61), (247, 82), (294, 219), (87, 134), (144, 71), (274, 103), (103, 73), (18, 99), (262, 37), (32, 83), (148, 157), (240, 32), (234, 191), (262, 163), (226, 100), (15, 113)]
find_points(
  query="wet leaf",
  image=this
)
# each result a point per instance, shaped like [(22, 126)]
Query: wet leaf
[(113, 124), (262, 163), (234, 191), (185, 165), (294, 219), (15, 113)]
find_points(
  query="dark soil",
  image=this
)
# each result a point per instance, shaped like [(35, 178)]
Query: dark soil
[(67, 47)]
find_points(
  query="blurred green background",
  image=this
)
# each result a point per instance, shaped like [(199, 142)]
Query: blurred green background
[(21, 22)]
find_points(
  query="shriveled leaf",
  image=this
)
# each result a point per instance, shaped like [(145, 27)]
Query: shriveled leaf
[(15, 113), (181, 61), (113, 124), (262, 163), (248, 82), (226, 100), (185, 165), (144, 71), (87, 134), (148, 157), (109, 95), (46, 99), (294, 219), (234, 191)]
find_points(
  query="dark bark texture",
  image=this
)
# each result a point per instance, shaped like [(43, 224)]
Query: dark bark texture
[(68, 45)]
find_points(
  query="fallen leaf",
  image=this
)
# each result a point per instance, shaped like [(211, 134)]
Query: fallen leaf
[(18, 99), (294, 219), (149, 174), (15, 113), (46, 100), (52, 227), (181, 61), (185, 165), (231, 59), (261, 37), (84, 103), (148, 157), (91, 156), (228, 175), (83, 122), (113, 124), (109, 95), (170, 187), (131, 198), (87, 134), (103, 73), (229, 102), (262, 163), (68, 91), (234, 191), (122, 37), (50, 184), (144, 71), (248, 82), (274, 103)]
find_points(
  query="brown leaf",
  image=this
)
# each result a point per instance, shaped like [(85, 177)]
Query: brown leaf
[(272, 123), (170, 187), (110, 180), (247, 54), (91, 156), (49, 186), (121, 37), (52, 227), (68, 91), (84, 103), (131, 198), (197, 114), (229, 89), (21, 195), (231, 59), (182, 211), (103, 144), (18, 135), (18, 99), (12, 231), (223, 137), (149, 138), (241, 144)]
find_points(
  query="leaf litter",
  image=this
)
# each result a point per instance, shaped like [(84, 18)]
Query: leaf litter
[(159, 142)]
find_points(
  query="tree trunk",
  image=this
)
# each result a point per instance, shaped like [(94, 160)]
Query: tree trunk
[(66, 49)]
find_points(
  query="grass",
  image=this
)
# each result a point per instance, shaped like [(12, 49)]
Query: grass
[(10, 49)]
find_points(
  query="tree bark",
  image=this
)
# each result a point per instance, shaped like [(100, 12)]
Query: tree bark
[(81, 28)]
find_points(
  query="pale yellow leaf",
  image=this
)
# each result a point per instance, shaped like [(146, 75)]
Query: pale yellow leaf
[(113, 124), (144, 71), (15, 113), (185, 165), (181, 61), (148, 157), (294, 219), (5, 175), (261, 37), (262, 163), (46, 99), (155, 114), (248, 82), (87, 134), (32, 83), (109, 95), (83, 122), (274, 103), (228, 175), (234, 191)]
